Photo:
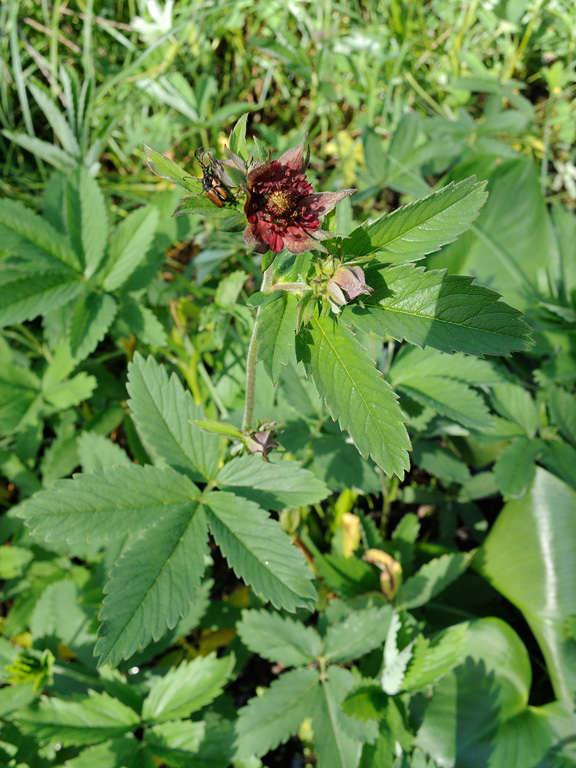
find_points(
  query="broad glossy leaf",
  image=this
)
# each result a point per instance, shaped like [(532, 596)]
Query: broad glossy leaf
[(275, 332), (432, 308), (79, 720), (153, 583), (26, 291), (528, 556), (92, 317), (272, 486), (478, 716), (187, 688), (86, 219), (414, 230), (259, 551), (107, 504), (359, 633), (355, 392), (431, 579), (279, 639), (271, 719), (163, 410), (128, 246), (515, 467), (28, 236)]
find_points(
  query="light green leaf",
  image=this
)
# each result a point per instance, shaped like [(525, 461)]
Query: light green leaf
[(432, 308), (355, 393), (107, 504), (176, 744), (58, 613), (271, 486), (563, 408), (367, 701), (515, 467), (395, 660), (259, 551), (279, 639), (79, 720), (65, 394), (167, 169), (26, 291), (515, 403), (238, 137), (57, 120), (431, 579), (13, 560), (359, 633), (153, 583), (271, 719), (414, 230), (86, 219), (16, 696), (333, 746), (187, 688), (45, 150), (275, 332), (163, 411), (99, 452), (92, 317), (28, 236), (413, 362), (433, 658), (528, 556), (115, 753), (128, 246)]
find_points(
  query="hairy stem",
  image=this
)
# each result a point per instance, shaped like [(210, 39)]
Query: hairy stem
[(252, 357)]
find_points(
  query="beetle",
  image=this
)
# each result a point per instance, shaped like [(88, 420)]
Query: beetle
[(215, 190)]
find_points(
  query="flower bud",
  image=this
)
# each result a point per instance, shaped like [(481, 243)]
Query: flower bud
[(346, 284)]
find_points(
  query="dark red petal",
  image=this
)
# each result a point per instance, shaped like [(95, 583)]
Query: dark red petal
[(300, 242), (323, 202), (254, 240), (276, 242)]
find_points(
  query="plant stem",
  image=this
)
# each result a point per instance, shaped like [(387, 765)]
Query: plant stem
[(252, 357)]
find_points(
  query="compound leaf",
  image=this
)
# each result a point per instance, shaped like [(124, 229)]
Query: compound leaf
[(92, 317), (359, 633), (279, 639)]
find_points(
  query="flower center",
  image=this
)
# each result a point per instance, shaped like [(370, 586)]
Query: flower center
[(279, 203)]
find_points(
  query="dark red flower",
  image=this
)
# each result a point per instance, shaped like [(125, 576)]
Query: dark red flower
[(282, 209)]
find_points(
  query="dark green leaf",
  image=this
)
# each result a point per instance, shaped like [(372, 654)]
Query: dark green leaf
[(128, 246), (359, 633), (92, 317), (431, 579), (275, 333), (514, 469), (279, 639)]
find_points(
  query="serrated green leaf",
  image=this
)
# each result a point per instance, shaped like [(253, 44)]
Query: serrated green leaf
[(515, 467), (333, 745), (433, 658), (355, 393), (57, 120), (563, 408), (237, 139), (448, 397), (359, 633), (153, 583), (77, 720), (279, 639), (65, 394), (347, 576), (128, 246), (271, 486), (167, 169), (107, 504), (202, 206), (57, 612), (432, 308), (367, 701), (86, 219), (13, 560), (162, 412), (395, 660), (26, 292), (412, 362), (45, 150), (271, 719), (135, 318), (176, 744), (414, 230), (92, 317), (259, 551), (99, 452), (431, 579), (515, 403), (440, 462), (115, 753), (187, 688), (19, 390), (275, 333), (28, 236)]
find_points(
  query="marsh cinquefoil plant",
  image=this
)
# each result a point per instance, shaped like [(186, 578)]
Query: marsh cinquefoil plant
[(323, 293)]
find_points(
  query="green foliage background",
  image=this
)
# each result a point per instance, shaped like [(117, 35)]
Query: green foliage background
[(427, 615)]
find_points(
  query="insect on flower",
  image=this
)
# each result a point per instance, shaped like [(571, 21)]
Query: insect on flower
[(216, 191)]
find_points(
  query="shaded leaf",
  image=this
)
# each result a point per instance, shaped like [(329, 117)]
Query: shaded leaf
[(128, 246), (279, 639), (514, 469), (431, 579), (92, 317)]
